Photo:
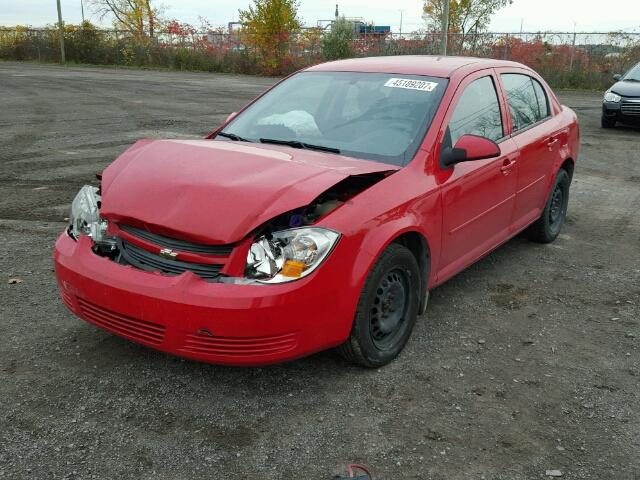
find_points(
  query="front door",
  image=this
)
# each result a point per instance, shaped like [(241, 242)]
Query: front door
[(478, 197)]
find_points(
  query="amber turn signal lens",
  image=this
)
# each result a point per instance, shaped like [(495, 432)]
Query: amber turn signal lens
[(292, 268)]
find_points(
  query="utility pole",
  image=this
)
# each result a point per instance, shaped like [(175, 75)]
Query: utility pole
[(61, 31), (445, 27), (573, 47), (401, 13), (82, 9)]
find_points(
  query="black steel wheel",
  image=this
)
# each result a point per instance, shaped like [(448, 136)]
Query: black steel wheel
[(387, 309), (547, 228), (557, 209)]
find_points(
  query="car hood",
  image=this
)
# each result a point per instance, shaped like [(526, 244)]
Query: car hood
[(217, 191), (626, 89)]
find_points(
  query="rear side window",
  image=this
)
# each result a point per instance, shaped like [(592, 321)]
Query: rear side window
[(477, 112), (528, 102)]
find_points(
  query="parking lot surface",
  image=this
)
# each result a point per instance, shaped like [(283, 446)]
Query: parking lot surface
[(526, 362)]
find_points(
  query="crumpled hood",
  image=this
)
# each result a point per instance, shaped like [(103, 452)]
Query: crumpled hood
[(217, 191)]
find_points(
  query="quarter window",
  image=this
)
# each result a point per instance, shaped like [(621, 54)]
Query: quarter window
[(477, 113), (528, 102), (543, 101)]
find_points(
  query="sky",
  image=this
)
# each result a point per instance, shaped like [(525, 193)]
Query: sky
[(532, 15)]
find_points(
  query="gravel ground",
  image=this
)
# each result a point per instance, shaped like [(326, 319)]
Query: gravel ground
[(526, 362)]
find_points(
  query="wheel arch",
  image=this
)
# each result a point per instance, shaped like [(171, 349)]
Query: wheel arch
[(568, 165), (418, 245), (415, 240)]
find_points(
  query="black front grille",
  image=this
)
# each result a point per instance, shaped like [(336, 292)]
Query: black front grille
[(630, 108), (176, 244), (131, 254)]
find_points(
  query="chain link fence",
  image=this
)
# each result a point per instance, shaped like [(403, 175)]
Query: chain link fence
[(566, 60)]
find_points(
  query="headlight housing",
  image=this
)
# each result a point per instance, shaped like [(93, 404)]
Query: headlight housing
[(612, 97), (290, 254), (84, 218)]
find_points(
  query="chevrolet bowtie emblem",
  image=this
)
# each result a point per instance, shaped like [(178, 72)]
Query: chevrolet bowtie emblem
[(168, 253)]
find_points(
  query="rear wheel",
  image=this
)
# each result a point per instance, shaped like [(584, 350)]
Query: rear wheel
[(387, 309), (547, 228), (607, 122)]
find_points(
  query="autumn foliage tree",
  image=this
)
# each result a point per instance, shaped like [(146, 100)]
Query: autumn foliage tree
[(465, 16), (268, 25), (136, 16)]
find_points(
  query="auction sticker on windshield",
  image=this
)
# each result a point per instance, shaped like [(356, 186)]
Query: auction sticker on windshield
[(410, 84)]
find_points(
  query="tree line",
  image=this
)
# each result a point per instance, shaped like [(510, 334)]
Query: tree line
[(270, 40), (269, 24)]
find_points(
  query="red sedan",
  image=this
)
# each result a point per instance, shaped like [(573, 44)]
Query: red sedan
[(323, 213)]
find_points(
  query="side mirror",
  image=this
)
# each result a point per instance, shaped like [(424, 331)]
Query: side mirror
[(230, 116), (617, 77), (469, 148)]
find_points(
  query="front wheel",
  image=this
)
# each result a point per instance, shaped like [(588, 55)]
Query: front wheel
[(387, 309), (607, 122), (547, 228)]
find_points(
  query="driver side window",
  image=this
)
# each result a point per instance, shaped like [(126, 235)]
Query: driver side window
[(477, 113)]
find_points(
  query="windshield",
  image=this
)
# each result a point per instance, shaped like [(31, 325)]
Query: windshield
[(633, 74), (374, 116)]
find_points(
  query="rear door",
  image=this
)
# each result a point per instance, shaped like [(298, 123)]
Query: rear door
[(537, 135), (478, 197)]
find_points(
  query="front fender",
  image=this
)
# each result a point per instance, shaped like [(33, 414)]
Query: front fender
[(380, 232)]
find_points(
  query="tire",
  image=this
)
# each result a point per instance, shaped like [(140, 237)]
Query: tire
[(387, 309), (607, 122), (547, 228)]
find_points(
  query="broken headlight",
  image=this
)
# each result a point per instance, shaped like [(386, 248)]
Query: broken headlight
[(289, 254), (84, 218)]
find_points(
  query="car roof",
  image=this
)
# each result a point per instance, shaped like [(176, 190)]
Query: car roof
[(430, 65)]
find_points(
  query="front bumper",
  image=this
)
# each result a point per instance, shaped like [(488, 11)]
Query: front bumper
[(621, 112), (212, 322)]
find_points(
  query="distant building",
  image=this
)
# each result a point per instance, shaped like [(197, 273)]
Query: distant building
[(370, 29), (360, 27)]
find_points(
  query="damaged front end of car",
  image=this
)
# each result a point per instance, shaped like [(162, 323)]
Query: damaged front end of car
[(289, 246), (84, 219), (283, 249)]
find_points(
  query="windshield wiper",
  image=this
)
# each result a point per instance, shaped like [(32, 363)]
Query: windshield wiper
[(631, 79), (232, 136), (299, 144)]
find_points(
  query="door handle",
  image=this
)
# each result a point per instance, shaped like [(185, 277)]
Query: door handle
[(552, 141), (507, 165)]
